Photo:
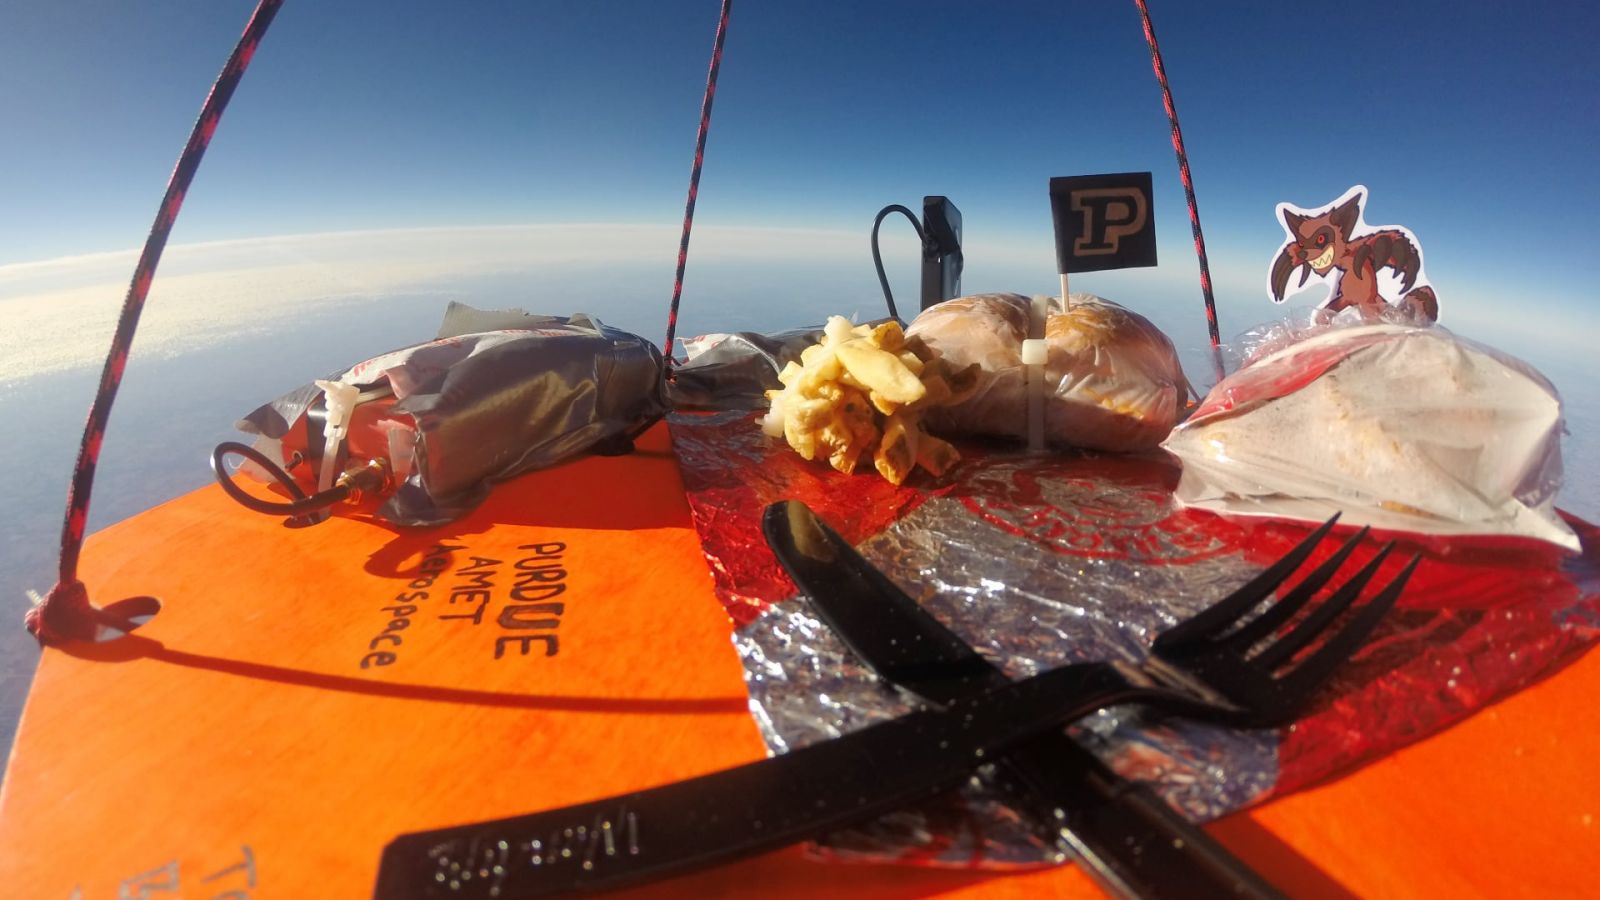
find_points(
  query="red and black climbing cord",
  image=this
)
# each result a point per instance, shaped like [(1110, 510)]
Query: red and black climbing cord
[(1184, 176), (66, 611), (694, 180)]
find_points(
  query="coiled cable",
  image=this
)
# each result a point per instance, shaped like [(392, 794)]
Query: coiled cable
[(877, 258), (301, 505)]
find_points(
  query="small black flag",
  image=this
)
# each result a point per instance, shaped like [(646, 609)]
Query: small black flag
[(1103, 222)]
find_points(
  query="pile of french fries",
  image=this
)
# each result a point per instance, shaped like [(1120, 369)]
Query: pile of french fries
[(862, 391)]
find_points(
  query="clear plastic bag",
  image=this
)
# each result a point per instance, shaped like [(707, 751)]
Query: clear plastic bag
[(1112, 379), (1395, 426)]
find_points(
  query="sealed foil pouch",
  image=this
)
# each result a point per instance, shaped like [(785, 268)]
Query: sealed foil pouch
[(496, 394)]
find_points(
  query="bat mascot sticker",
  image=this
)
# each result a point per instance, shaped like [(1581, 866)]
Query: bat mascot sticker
[(1361, 262)]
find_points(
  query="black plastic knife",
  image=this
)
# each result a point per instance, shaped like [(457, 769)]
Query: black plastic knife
[(1128, 839), (628, 838)]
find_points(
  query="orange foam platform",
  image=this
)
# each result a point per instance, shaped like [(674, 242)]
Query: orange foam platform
[(273, 727)]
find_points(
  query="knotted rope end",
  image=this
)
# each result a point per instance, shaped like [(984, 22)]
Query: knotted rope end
[(64, 614)]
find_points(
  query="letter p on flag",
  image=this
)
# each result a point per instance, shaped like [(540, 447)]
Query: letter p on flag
[(1103, 222)]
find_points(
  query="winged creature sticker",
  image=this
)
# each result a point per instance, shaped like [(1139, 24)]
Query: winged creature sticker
[(1371, 269)]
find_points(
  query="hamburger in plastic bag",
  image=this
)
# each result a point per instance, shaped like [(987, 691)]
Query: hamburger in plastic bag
[(1112, 378)]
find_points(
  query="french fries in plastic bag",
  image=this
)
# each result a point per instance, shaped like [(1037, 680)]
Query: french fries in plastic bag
[(860, 394)]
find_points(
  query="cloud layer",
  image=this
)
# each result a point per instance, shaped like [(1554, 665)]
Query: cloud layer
[(59, 314)]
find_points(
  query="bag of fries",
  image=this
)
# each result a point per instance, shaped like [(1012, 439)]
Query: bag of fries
[(862, 392)]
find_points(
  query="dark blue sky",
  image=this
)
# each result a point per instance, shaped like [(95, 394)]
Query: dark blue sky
[(1474, 124)]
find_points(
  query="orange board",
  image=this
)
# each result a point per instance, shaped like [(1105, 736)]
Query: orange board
[(275, 725)]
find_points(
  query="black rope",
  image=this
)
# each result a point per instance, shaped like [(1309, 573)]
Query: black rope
[(877, 258), (300, 506)]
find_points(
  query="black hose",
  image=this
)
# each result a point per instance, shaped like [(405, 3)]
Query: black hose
[(301, 505), (877, 259)]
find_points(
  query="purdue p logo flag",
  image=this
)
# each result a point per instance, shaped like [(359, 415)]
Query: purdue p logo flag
[(1103, 222)]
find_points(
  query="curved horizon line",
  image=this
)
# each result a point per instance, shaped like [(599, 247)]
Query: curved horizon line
[(131, 253)]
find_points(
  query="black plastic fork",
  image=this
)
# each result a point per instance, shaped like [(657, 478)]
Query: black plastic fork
[(1209, 666), (1243, 658)]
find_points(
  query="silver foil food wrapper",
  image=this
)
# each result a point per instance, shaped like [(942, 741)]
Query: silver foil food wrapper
[(1042, 561), (496, 394)]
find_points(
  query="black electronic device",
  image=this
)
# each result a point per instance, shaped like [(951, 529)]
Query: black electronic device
[(941, 250)]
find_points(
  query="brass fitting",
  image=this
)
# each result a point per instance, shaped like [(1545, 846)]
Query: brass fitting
[(362, 479)]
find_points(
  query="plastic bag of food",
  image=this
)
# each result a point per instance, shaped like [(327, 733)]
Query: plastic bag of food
[(1112, 378), (1398, 427), (860, 394)]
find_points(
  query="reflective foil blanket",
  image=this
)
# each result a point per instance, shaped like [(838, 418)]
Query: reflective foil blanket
[(1041, 561)]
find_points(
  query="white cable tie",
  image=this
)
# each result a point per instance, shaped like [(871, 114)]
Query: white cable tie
[(340, 399), (1035, 353)]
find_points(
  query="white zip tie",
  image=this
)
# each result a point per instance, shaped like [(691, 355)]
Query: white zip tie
[(1035, 353), (341, 400)]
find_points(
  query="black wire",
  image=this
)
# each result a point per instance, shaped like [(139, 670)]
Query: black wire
[(877, 259), (301, 505)]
